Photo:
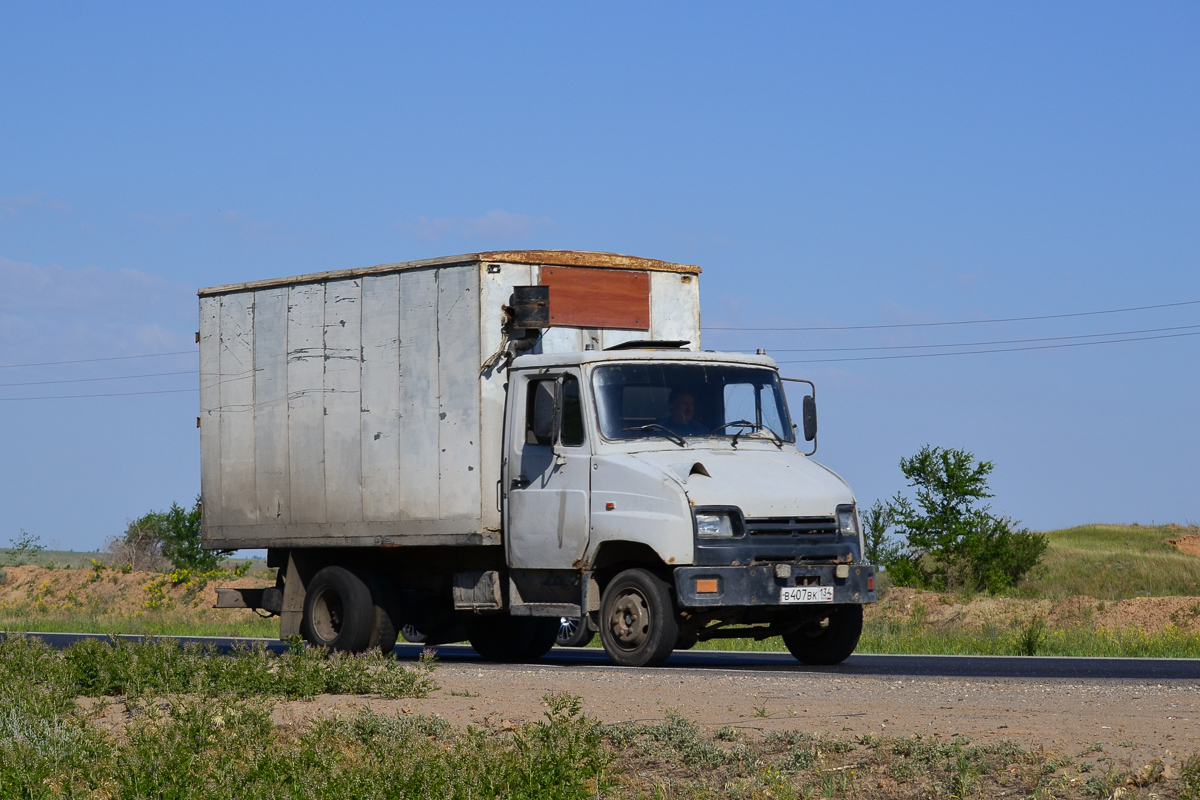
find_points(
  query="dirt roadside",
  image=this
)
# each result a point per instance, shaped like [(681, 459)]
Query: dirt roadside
[(1133, 720)]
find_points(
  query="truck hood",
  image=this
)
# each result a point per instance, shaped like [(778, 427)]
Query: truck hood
[(760, 483)]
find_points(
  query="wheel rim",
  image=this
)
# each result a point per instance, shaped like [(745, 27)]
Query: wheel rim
[(327, 615), (629, 621), (567, 628)]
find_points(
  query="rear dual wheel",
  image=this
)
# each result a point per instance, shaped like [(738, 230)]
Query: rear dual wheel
[(829, 640), (511, 640), (342, 612)]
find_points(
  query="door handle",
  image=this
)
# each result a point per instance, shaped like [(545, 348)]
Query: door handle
[(520, 483)]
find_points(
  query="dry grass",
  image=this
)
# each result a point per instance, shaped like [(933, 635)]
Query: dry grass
[(1114, 562)]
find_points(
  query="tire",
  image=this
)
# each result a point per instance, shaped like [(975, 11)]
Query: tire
[(686, 641), (511, 640), (412, 634), (387, 611), (339, 613), (638, 622), (573, 632), (832, 643)]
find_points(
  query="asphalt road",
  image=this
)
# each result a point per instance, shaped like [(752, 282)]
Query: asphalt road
[(1042, 667)]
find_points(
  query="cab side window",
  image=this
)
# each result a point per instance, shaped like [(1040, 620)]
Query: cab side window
[(572, 413), (539, 412)]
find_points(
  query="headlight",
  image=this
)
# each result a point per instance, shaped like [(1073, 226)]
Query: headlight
[(717, 524), (847, 520)]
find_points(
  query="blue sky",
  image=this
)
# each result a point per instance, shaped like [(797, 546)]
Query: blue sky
[(827, 165)]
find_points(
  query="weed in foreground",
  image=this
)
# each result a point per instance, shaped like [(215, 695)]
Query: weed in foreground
[(117, 667)]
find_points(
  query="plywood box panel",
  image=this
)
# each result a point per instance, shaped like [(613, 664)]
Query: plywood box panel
[(380, 421), (272, 480), (343, 429), (598, 298), (419, 394), (239, 501), (306, 408)]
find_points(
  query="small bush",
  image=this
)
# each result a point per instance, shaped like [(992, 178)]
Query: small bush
[(877, 521), (25, 548), (1032, 636), (952, 544), (166, 536), (1189, 778)]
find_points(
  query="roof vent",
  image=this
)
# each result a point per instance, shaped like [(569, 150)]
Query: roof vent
[(650, 344)]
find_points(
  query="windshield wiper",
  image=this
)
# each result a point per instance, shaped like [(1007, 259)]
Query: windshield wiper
[(667, 433), (753, 426)]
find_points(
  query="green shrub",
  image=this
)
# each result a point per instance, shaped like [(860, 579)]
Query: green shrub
[(880, 549), (25, 548), (174, 534), (953, 544)]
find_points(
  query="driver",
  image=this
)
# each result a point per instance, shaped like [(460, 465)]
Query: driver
[(682, 417)]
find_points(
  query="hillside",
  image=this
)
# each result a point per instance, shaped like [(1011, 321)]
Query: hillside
[(1115, 562)]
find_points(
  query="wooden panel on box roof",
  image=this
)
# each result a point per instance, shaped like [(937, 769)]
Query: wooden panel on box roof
[(598, 298)]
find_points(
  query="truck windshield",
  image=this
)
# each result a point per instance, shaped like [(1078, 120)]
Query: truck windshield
[(680, 401)]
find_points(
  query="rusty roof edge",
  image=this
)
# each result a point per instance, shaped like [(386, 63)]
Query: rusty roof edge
[(587, 258), (564, 258)]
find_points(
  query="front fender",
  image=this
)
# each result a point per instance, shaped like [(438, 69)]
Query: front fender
[(635, 502)]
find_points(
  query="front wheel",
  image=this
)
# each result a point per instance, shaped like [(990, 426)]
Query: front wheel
[(827, 641), (638, 622)]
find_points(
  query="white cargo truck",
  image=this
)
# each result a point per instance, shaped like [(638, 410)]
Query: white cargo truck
[(480, 447)]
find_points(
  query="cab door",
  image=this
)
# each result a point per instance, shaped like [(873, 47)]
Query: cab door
[(547, 472)]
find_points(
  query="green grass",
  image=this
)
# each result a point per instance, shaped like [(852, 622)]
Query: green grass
[(1113, 562), (149, 623), (158, 668), (201, 728)]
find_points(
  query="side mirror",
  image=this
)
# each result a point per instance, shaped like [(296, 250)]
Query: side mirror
[(810, 418)]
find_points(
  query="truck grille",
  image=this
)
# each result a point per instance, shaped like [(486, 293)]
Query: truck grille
[(814, 527)]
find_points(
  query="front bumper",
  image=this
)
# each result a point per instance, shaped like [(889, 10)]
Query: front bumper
[(760, 586)]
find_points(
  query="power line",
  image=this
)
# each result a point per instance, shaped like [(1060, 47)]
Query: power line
[(114, 378), (958, 322), (113, 394), (975, 344), (92, 360), (997, 350)]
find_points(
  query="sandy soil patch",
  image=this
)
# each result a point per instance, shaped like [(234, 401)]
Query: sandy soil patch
[(1186, 544)]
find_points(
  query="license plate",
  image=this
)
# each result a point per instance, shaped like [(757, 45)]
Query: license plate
[(806, 594)]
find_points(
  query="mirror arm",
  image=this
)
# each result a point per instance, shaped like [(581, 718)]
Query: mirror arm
[(812, 386)]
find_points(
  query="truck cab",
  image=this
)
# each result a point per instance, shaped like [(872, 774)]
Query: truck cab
[(667, 485)]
